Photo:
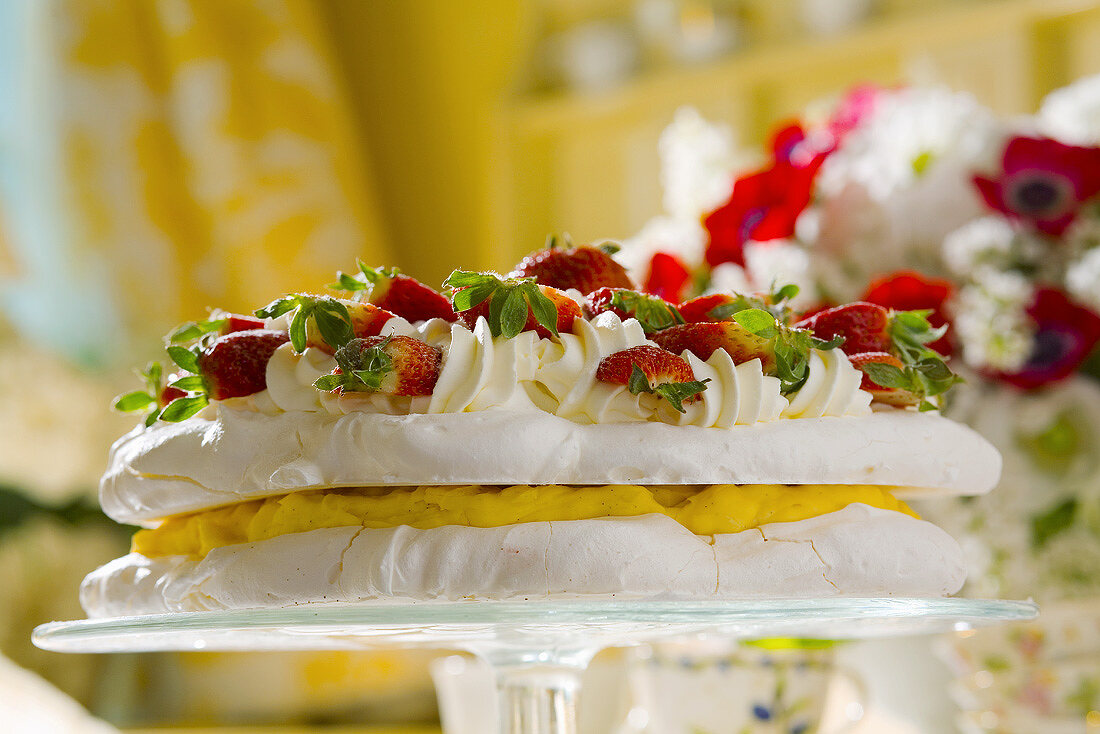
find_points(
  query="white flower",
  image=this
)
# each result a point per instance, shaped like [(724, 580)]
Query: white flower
[(991, 320), (777, 263), (1072, 114), (908, 134), (1083, 278), (983, 241), (729, 278), (684, 238), (697, 164)]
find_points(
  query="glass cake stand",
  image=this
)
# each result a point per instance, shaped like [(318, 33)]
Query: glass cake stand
[(537, 649)]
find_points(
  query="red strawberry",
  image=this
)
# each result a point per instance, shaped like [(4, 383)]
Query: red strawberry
[(169, 393), (235, 365), (395, 365), (703, 338), (236, 322), (888, 395), (473, 295), (652, 313), (864, 326), (651, 369), (394, 291), (699, 309), (585, 268)]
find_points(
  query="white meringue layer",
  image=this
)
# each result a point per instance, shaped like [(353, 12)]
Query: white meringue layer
[(857, 551), (241, 454)]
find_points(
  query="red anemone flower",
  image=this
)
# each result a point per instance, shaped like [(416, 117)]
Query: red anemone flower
[(1043, 182), (1065, 335), (907, 290)]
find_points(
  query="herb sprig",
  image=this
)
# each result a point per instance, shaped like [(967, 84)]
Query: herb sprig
[(510, 301)]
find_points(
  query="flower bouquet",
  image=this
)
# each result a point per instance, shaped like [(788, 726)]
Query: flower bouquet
[(922, 199)]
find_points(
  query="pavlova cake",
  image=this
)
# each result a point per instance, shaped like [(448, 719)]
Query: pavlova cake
[(552, 434)]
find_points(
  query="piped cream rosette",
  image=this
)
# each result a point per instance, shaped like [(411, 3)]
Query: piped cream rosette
[(621, 496)]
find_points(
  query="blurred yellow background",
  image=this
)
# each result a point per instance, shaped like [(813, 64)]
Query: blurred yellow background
[(158, 157)]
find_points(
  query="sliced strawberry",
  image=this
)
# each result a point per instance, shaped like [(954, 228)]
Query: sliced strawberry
[(864, 326), (395, 365), (703, 338), (888, 395), (236, 322), (585, 268), (700, 309), (235, 365), (652, 313), (511, 305), (390, 289), (651, 369)]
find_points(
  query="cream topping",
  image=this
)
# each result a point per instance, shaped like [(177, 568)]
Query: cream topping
[(831, 389)]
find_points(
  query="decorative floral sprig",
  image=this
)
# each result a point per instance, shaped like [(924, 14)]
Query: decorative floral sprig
[(331, 317), (510, 301), (792, 345)]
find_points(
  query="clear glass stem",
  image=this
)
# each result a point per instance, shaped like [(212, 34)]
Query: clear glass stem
[(538, 700)]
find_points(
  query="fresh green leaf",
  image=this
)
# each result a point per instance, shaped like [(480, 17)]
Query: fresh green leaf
[(345, 282), (328, 383), (333, 321), (187, 359), (757, 321), (183, 408), (137, 400), (638, 382), (373, 275), (543, 309), (194, 329), (280, 306), (887, 375), (190, 383), (652, 312), (1046, 526), (362, 367), (677, 392), (152, 418), (512, 313), (609, 247), (785, 293)]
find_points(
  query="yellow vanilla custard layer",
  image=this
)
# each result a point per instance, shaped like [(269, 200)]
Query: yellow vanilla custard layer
[(712, 510)]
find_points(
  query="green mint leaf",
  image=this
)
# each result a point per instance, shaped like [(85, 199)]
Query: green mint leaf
[(677, 392), (152, 417), (652, 313), (194, 329), (466, 278), (638, 382), (297, 330), (757, 321), (328, 383), (333, 322), (345, 282), (543, 309), (926, 406), (132, 401), (279, 306), (512, 314), (1046, 526), (887, 375), (373, 275), (153, 373), (823, 345), (367, 380), (609, 247), (183, 408), (363, 367), (185, 358), (785, 293), (190, 383)]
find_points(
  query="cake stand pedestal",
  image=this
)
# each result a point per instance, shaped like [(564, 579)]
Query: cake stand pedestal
[(538, 649)]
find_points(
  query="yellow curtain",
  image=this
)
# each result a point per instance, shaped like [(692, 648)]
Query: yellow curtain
[(208, 152)]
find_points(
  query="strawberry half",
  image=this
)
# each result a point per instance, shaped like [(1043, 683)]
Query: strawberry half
[(703, 338), (585, 267), (392, 290), (235, 365), (511, 305), (864, 326), (653, 370), (699, 309), (652, 313), (889, 395), (395, 365)]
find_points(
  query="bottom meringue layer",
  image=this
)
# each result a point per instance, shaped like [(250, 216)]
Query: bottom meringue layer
[(857, 551)]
